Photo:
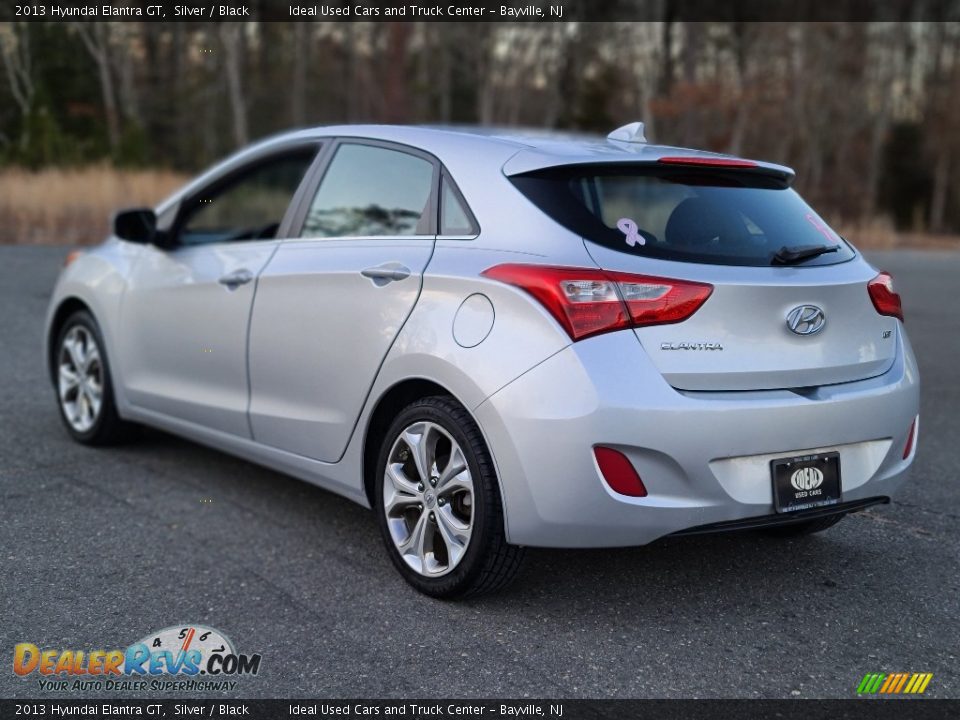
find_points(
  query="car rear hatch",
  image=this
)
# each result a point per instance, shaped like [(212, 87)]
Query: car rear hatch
[(790, 306)]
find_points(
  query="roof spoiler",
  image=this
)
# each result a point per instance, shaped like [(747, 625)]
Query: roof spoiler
[(532, 160)]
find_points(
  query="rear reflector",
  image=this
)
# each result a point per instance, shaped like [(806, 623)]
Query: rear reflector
[(885, 300), (707, 161), (908, 448), (618, 472), (71, 257), (588, 301)]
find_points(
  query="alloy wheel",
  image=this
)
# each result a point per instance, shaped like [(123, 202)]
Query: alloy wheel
[(428, 498), (80, 379)]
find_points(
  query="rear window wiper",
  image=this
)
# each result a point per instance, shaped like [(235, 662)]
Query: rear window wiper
[(788, 256)]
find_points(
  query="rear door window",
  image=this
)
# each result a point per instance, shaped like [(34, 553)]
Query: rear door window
[(372, 191), (722, 217)]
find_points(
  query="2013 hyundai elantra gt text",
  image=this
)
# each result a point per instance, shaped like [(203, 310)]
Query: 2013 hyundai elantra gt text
[(498, 341)]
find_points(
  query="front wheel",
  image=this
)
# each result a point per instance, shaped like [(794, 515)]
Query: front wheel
[(82, 381), (438, 503)]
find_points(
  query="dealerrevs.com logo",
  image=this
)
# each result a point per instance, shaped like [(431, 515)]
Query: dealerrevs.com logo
[(181, 657)]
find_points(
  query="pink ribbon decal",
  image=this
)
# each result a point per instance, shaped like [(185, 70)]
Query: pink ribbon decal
[(629, 228)]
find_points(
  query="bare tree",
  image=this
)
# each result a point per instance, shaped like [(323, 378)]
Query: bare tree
[(18, 64), (96, 38), (232, 41), (298, 85), (741, 38), (886, 67), (940, 117), (483, 47), (127, 62), (395, 91)]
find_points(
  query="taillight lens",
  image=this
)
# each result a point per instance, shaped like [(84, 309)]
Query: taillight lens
[(619, 473), (885, 300), (587, 301)]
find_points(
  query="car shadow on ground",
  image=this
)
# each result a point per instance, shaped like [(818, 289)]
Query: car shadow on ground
[(681, 574)]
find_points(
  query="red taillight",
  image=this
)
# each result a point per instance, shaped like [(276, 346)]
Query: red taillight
[(908, 448), (885, 300), (707, 161), (618, 472), (659, 301), (587, 301)]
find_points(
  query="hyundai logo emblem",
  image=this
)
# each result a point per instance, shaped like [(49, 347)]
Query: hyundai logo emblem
[(806, 320)]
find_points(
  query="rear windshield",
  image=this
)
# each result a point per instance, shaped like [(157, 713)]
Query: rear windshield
[(721, 217)]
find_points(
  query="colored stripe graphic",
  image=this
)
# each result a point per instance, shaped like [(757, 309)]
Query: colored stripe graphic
[(891, 679), (865, 683), (894, 683), (900, 682)]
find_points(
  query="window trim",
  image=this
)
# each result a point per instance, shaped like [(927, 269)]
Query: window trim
[(189, 202), (316, 175)]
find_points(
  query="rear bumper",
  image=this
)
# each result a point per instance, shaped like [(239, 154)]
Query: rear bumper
[(704, 457)]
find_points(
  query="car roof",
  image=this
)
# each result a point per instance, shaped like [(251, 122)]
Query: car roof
[(477, 151), (519, 150)]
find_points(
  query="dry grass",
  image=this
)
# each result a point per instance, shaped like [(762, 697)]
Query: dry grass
[(74, 206), (880, 234)]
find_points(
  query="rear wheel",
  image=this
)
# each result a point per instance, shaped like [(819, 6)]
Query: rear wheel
[(806, 527), (438, 503), (82, 381)]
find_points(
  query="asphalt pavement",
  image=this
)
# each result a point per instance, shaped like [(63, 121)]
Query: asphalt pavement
[(99, 547)]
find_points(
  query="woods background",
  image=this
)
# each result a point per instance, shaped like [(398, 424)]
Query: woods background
[(94, 116)]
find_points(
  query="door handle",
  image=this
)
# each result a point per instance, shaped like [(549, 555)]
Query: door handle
[(235, 279), (388, 272)]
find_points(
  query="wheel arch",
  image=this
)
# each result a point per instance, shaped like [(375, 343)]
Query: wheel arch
[(390, 403)]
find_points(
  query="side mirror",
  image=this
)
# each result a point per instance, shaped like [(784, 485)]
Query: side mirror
[(138, 225)]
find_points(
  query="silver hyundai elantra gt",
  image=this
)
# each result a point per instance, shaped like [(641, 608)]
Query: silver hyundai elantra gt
[(498, 342)]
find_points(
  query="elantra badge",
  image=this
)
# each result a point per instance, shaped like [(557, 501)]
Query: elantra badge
[(806, 320), (691, 346)]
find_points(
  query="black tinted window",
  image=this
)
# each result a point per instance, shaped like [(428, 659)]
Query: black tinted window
[(372, 192), (723, 217), (248, 206)]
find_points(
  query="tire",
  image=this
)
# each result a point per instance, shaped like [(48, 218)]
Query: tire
[(451, 522), (805, 527), (87, 422)]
